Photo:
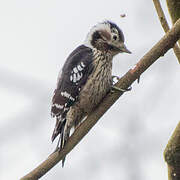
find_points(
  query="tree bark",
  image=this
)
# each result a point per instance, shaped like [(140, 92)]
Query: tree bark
[(172, 155), (172, 150), (147, 60), (174, 10), (165, 25)]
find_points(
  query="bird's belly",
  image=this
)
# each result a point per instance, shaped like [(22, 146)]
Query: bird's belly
[(93, 92)]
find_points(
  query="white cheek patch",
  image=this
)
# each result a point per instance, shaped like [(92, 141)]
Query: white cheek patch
[(105, 26)]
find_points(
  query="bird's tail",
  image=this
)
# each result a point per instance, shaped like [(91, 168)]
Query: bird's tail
[(59, 130)]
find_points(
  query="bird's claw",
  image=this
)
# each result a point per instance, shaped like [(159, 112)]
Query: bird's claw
[(138, 80), (129, 88), (120, 89)]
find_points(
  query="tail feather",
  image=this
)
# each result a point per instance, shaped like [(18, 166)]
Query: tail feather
[(59, 130), (64, 138), (63, 161)]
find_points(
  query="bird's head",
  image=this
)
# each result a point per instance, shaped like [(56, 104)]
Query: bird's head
[(107, 37)]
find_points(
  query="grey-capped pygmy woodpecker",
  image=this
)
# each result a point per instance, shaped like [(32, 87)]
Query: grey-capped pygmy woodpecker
[(85, 78)]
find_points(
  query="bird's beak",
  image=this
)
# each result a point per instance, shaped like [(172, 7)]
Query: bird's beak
[(123, 48)]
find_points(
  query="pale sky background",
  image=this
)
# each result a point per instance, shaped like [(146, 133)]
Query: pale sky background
[(128, 142)]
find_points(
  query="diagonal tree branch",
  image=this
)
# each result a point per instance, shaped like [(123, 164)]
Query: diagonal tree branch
[(165, 25), (147, 60)]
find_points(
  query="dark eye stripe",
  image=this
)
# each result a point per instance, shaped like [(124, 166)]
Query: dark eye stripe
[(95, 37)]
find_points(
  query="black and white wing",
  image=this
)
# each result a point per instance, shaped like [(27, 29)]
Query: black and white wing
[(72, 77)]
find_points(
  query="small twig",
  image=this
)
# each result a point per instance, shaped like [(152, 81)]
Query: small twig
[(165, 26), (147, 60)]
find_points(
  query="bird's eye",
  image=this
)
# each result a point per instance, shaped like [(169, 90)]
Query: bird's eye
[(115, 37)]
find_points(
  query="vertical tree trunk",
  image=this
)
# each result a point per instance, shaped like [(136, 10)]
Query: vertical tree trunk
[(172, 150), (172, 155), (174, 10)]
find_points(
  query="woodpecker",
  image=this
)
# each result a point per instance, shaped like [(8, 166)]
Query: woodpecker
[(85, 78)]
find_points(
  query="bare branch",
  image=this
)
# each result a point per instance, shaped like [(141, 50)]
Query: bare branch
[(165, 26), (161, 15), (147, 60)]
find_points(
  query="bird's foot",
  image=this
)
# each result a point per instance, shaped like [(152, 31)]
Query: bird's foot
[(120, 89)]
